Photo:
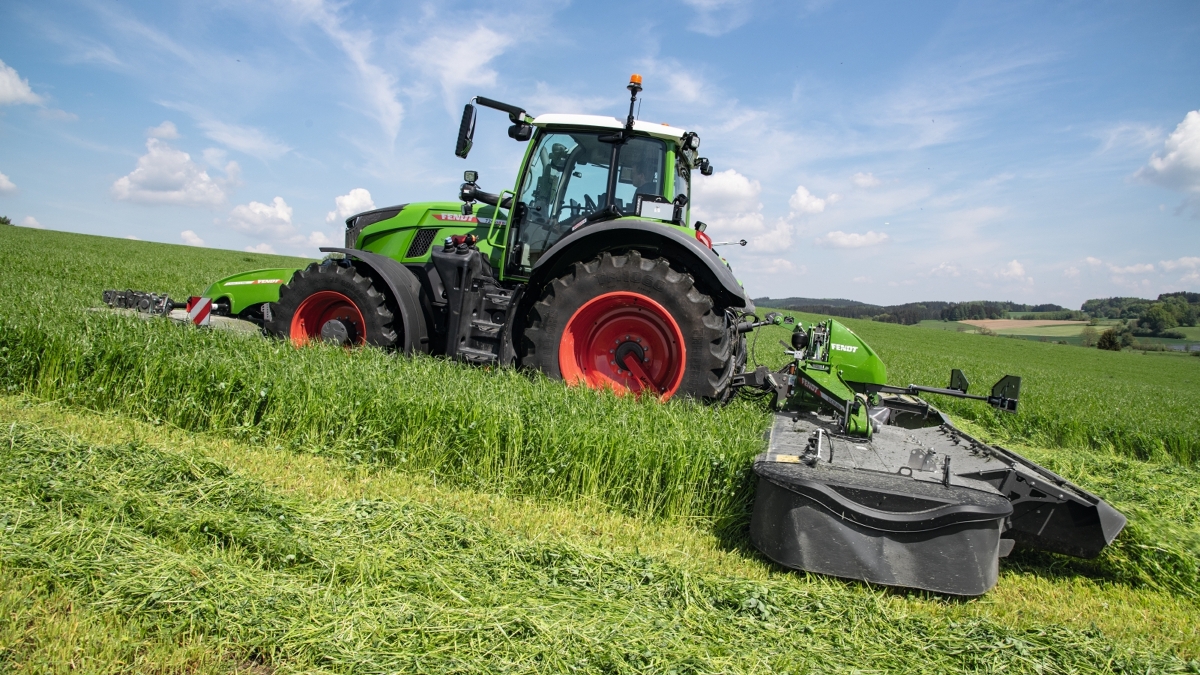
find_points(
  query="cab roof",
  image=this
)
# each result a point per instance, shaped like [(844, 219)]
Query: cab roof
[(603, 122)]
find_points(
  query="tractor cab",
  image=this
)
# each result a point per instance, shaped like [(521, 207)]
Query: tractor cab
[(579, 172), (584, 169)]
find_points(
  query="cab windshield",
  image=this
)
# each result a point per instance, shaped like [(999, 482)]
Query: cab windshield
[(568, 180)]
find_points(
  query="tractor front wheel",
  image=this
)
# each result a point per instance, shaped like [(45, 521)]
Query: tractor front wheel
[(333, 303), (629, 323)]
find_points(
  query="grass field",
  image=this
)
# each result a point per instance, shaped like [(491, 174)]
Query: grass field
[(1061, 331), (178, 500)]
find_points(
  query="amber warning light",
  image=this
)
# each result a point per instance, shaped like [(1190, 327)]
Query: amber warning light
[(635, 79)]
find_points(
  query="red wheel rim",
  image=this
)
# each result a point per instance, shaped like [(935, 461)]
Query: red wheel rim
[(321, 307), (626, 342)]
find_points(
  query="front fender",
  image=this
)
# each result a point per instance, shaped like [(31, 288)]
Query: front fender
[(711, 273), (250, 288)]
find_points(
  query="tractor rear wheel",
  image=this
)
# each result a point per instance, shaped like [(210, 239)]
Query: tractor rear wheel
[(632, 324), (333, 303)]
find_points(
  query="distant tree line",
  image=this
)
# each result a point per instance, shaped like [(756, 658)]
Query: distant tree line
[(1149, 317), (913, 312), (4, 220), (1142, 317)]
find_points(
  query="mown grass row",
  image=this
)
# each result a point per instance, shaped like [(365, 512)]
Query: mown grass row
[(371, 586)]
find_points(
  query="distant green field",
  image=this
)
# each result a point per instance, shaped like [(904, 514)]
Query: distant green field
[(946, 325)]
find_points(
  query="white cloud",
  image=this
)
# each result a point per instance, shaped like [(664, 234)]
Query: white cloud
[(355, 201), (165, 131), (1014, 271), (459, 60), (861, 280), (274, 222), (681, 85), (945, 269), (547, 99), (728, 201), (30, 221), (1093, 261), (379, 88), (165, 175), (248, 140), (56, 115), (865, 180), (214, 157), (803, 201), (6, 186), (131, 237), (14, 90), (778, 265), (1190, 263), (260, 248), (1177, 165), (1192, 277), (191, 238), (274, 219), (1071, 273), (1142, 268), (1134, 136), (839, 239), (717, 17)]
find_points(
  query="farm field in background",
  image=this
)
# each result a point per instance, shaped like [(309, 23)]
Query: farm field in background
[(1059, 331), (1000, 325), (220, 501)]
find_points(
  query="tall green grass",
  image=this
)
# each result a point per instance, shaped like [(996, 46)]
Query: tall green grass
[(500, 430), (370, 586)]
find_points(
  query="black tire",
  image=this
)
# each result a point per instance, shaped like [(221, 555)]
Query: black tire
[(711, 340), (378, 327)]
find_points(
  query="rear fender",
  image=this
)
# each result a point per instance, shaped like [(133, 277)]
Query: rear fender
[(711, 273), (403, 289), (249, 288)]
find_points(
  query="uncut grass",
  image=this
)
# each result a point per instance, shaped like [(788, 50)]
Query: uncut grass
[(1140, 405), (363, 585)]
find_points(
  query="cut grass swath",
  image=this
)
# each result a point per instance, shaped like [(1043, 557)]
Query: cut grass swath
[(195, 550)]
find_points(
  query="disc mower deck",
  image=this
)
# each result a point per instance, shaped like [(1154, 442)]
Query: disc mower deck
[(918, 504)]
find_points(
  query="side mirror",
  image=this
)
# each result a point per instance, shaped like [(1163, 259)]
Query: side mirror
[(466, 132), (705, 167)]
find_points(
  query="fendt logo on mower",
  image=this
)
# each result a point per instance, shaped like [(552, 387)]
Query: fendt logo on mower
[(843, 348)]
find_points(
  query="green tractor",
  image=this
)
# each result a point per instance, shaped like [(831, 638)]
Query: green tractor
[(590, 269)]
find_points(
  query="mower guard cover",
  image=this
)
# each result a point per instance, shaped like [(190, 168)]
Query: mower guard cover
[(920, 504)]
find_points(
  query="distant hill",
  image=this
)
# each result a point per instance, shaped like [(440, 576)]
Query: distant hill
[(908, 313), (809, 302)]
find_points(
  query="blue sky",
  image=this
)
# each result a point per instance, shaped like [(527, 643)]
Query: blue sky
[(886, 152)]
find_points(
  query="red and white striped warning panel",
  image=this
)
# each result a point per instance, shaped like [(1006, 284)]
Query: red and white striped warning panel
[(199, 309)]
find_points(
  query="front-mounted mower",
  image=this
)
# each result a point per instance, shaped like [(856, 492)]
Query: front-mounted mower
[(591, 270), (867, 481)]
